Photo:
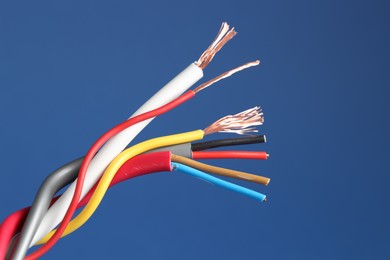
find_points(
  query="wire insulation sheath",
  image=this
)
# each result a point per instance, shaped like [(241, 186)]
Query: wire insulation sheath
[(218, 182), (220, 171), (228, 142), (180, 149)]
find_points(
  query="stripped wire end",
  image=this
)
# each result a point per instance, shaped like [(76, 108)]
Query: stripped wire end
[(241, 123), (222, 38), (226, 75)]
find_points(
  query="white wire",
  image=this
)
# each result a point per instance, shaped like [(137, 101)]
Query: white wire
[(115, 145)]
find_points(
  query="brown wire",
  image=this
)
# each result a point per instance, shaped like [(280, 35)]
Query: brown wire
[(220, 171)]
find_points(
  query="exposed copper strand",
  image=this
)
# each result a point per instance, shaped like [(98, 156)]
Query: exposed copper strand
[(223, 36), (222, 31), (225, 75), (241, 123), (218, 47)]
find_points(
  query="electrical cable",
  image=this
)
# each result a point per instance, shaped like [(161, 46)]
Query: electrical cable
[(41, 231), (107, 153), (172, 90), (83, 171), (228, 142), (220, 171), (218, 182), (103, 153), (137, 166), (129, 153), (233, 120), (229, 155), (149, 163), (238, 123)]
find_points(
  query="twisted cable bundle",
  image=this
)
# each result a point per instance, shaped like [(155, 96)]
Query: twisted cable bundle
[(108, 162)]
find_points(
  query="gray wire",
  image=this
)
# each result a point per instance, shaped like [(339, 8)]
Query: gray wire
[(179, 149), (52, 184), (11, 246)]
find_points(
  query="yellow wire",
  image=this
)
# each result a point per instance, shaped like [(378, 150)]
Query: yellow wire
[(114, 166)]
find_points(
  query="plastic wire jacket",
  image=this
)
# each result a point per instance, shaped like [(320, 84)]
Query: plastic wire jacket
[(83, 170), (218, 182), (51, 185), (112, 148), (227, 142), (102, 187), (137, 166), (12, 224), (229, 155), (220, 171), (180, 149), (133, 167)]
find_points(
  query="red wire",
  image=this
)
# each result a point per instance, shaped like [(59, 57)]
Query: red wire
[(229, 155), (11, 226), (137, 166), (91, 153), (140, 165)]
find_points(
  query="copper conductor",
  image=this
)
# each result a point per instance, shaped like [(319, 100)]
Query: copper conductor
[(241, 123), (223, 36), (225, 75)]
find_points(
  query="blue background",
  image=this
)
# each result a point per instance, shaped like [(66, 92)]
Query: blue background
[(69, 71)]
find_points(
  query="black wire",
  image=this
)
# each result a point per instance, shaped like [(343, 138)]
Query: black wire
[(228, 142)]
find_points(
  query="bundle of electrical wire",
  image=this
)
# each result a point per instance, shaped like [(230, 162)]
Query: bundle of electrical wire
[(107, 163)]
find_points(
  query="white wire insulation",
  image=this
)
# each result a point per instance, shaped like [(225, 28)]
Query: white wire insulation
[(115, 145)]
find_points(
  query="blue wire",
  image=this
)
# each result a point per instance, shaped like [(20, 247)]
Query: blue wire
[(218, 182)]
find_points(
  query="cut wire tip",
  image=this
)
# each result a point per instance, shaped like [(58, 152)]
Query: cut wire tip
[(226, 75), (241, 123), (224, 35)]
